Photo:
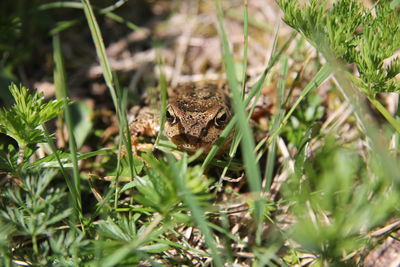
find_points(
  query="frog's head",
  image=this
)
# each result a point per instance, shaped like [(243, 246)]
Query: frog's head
[(193, 123)]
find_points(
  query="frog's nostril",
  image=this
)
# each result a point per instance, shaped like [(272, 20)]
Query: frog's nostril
[(203, 132)]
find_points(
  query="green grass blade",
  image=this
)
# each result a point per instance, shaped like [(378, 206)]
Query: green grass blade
[(237, 137), (252, 170), (246, 45), (109, 78), (114, 6), (61, 4), (385, 113), (222, 137), (269, 169), (53, 148), (247, 145), (61, 88), (254, 90), (100, 49), (121, 20), (163, 91), (105, 11), (378, 105)]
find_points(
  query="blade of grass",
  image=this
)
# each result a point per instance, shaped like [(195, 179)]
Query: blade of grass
[(109, 79), (254, 90), (185, 246), (61, 4), (385, 113), (269, 169), (114, 6), (236, 15), (61, 89), (163, 91), (378, 105), (107, 11), (247, 145), (121, 20), (245, 45), (100, 50), (124, 131), (63, 25), (237, 137), (257, 90), (257, 87), (252, 169), (222, 137), (53, 148), (128, 144)]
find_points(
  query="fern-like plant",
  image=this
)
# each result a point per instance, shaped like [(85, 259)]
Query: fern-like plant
[(23, 122), (353, 33)]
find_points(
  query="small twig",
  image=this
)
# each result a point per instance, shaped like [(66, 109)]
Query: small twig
[(385, 229)]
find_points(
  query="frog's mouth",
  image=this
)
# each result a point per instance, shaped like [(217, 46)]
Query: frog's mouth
[(190, 143)]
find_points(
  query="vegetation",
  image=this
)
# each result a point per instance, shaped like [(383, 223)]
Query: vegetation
[(316, 173)]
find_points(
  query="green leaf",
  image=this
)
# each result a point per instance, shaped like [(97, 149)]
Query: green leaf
[(124, 173), (64, 214), (82, 121), (128, 186), (8, 158), (156, 248), (110, 229), (51, 161)]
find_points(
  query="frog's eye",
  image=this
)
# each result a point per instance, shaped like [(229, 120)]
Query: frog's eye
[(170, 115), (221, 118)]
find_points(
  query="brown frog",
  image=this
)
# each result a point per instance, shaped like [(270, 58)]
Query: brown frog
[(196, 115)]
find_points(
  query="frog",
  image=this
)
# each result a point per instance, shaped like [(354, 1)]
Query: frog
[(196, 115)]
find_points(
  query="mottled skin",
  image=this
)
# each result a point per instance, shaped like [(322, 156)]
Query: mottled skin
[(146, 123), (196, 115)]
